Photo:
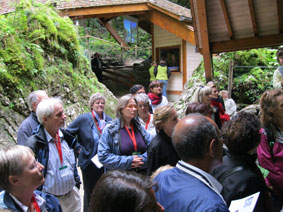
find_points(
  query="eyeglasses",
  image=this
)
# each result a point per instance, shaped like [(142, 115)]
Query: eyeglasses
[(131, 106)]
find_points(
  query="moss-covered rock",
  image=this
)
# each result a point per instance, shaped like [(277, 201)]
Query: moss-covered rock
[(40, 50)]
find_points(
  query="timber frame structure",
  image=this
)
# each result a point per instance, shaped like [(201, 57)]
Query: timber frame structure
[(152, 15), (231, 25)]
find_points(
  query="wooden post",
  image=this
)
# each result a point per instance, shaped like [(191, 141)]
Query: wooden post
[(230, 78), (207, 56)]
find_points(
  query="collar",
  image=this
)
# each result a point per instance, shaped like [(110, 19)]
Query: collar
[(97, 117), (40, 201), (203, 176), (49, 137), (34, 117)]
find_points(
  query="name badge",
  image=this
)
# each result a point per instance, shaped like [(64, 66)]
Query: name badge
[(136, 153), (63, 170)]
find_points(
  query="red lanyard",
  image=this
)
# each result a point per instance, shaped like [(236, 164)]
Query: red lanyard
[(132, 136), (146, 126), (35, 205), (96, 122), (58, 146)]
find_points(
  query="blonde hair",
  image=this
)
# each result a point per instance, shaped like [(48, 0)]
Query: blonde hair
[(159, 170), (200, 93), (161, 115)]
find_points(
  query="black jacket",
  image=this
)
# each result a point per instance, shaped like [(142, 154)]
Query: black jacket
[(161, 152), (244, 182)]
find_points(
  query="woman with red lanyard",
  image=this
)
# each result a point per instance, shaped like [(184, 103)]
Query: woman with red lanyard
[(144, 116), (124, 141), (161, 151), (20, 176), (88, 128)]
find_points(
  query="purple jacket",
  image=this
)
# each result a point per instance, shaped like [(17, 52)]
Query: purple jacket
[(273, 165)]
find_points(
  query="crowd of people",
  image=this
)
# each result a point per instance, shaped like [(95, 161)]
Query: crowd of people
[(146, 159)]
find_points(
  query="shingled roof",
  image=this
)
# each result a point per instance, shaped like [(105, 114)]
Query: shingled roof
[(8, 6)]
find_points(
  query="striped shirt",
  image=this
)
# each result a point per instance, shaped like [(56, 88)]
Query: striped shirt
[(57, 183)]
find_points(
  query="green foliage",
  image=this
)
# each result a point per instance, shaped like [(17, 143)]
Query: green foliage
[(40, 50), (253, 71), (107, 45)]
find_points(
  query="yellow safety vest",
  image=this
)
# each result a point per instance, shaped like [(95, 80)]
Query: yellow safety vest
[(162, 73), (151, 74)]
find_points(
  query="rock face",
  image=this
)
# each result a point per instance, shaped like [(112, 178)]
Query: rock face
[(40, 50), (181, 104)]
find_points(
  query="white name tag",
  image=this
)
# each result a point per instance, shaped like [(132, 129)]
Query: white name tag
[(96, 162), (64, 171)]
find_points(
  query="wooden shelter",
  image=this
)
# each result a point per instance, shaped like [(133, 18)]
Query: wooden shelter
[(231, 25), (169, 24)]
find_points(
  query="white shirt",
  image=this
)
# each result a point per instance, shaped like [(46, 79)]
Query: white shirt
[(40, 201), (164, 101), (55, 183), (230, 107), (151, 128)]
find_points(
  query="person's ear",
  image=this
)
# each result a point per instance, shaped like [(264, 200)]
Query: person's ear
[(213, 147), (34, 106), (13, 180)]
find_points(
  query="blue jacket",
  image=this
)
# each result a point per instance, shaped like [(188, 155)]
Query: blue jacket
[(179, 191), (26, 128), (39, 145), (52, 204), (83, 127), (109, 146)]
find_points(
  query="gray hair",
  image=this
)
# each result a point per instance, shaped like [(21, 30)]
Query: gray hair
[(95, 97), (193, 141), (222, 92), (33, 96), (142, 97), (161, 115), (200, 93), (46, 108), (122, 103), (12, 163)]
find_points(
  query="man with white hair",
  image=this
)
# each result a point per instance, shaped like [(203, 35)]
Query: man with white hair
[(31, 122), (53, 148)]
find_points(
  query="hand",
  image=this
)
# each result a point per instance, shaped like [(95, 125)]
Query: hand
[(137, 162)]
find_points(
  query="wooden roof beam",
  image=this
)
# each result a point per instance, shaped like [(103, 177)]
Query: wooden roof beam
[(226, 18), (207, 56), (279, 12), (252, 13), (109, 15), (171, 25), (115, 35), (104, 10), (247, 43), (164, 11)]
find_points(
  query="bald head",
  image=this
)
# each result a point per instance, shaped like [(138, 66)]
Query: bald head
[(192, 136)]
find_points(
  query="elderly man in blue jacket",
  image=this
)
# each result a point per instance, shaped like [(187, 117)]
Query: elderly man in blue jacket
[(189, 187), (53, 148)]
